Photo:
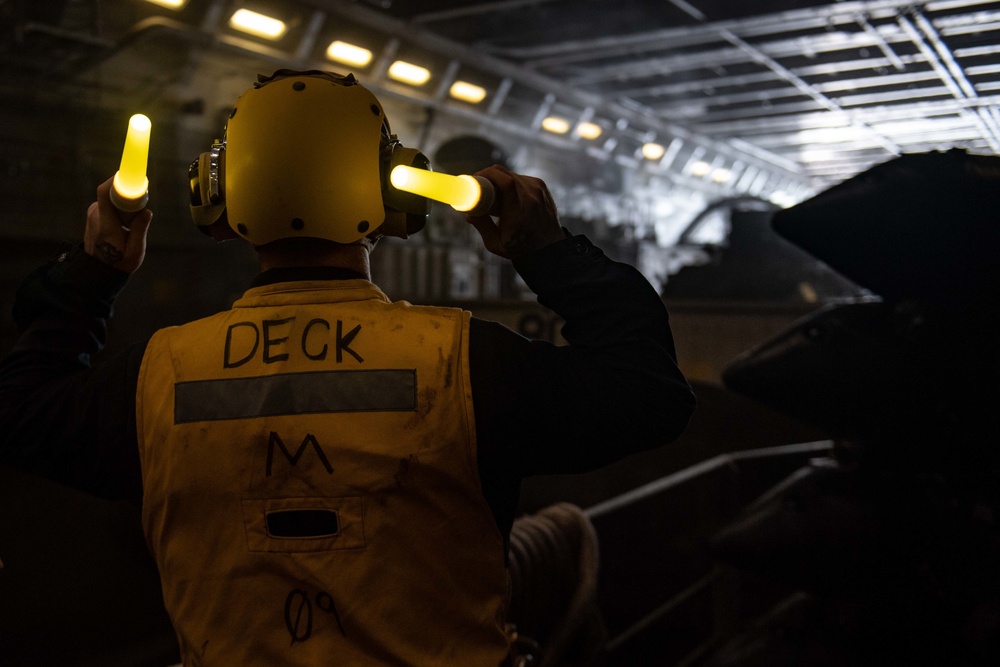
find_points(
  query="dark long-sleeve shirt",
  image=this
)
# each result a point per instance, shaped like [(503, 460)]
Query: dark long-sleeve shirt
[(540, 408)]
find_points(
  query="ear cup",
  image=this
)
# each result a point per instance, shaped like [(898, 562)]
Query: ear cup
[(206, 180), (397, 199), (406, 213)]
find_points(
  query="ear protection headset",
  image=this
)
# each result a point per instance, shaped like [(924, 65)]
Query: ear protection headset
[(305, 154)]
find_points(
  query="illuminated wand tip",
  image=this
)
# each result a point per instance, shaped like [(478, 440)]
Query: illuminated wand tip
[(130, 190), (473, 195)]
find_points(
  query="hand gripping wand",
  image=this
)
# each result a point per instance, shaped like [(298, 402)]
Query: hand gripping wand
[(473, 195), (130, 187)]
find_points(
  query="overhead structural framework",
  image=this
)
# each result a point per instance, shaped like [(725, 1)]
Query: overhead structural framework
[(624, 113), (834, 88), (942, 61), (623, 118), (785, 96)]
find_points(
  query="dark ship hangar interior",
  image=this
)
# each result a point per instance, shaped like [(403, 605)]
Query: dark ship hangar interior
[(813, 187)]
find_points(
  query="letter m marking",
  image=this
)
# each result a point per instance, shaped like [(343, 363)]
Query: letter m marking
[(310, 439)]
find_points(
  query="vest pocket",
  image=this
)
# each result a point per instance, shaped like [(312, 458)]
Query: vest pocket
[(303, 524)]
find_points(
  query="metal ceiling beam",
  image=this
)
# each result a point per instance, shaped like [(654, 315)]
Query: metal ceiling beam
[(856, 103), (781, 143), (806, 89), (944, 64), (795, 116), (965, 117), (947, 5), (689, 9), (877, 81), (852, 102), (964, 24), (697, 86), (880, 39), (819, 120), (763, 76), (718, 100), (815, 18), (724, 54), (475, 10), (397, 32), (635, 114), (883, 45)]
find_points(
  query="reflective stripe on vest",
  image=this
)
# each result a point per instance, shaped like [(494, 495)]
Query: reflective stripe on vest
[(311, 494)]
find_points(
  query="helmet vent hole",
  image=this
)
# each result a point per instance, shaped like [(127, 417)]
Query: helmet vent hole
[(297, 223), (298, 85), (375, 109), (363, 226), (242, 229)]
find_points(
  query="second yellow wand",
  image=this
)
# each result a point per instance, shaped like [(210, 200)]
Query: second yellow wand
[(130, 190)]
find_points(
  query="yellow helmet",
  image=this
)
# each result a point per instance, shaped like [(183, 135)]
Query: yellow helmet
[(306, 154)]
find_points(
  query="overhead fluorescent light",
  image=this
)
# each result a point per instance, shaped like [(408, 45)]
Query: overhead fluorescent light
[(653, 151), (467, 92), (409, 73), (555, 125), (721, 175), (348, 54), (169, 4), (588, 130), (700, 168), (257, 24)]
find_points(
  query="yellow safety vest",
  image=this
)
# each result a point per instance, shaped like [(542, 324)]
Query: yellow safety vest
[(311, 492)]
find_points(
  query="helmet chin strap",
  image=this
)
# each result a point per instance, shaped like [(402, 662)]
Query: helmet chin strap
[(369, 241)]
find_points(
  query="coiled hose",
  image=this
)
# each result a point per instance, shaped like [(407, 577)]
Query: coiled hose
[(553, 570)]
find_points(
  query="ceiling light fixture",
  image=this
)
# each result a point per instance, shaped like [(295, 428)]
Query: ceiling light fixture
[(721, 175), (257, 24), (653, 151), (348, 54), (409, 73), (467, 92), (555, 125), (588, 130), (169, 4), (700, 168)]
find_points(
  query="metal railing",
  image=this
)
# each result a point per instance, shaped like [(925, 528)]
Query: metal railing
[(659, 588)]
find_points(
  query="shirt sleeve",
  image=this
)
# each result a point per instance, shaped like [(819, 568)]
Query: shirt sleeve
[(614, 390), (62, 417)]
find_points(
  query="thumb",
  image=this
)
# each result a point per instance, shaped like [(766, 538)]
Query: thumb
[(489, 231)]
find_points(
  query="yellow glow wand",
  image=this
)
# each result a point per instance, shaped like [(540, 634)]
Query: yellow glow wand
[(130, 190), (469, 194)]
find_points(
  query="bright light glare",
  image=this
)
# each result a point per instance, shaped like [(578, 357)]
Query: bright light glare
[(257, 24), (460, 192), (653, 151), (467, 92), (810, 156), (409, 73), (169, 4), (555, 125), (700, 168), (348, 54), (782, 199), (588, 130), (830, 135), (130, 181), (721, 175)]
